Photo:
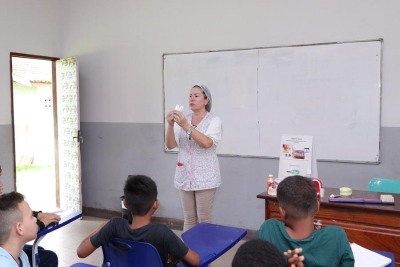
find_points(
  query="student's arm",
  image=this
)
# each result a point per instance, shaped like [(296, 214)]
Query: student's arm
[(47, 218), (347, 256), (192, 258), (86, 247)]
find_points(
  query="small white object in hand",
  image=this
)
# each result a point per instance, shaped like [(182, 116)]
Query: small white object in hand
[(178, 107)]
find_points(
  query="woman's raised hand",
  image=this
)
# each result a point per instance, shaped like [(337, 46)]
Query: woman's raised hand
[(170, 117), (180, 119)]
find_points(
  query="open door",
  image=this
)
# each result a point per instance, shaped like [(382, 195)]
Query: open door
[(46, 134), (69, 137)]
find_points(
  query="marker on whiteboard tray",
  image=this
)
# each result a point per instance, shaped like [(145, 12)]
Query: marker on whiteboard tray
[(178, 107)]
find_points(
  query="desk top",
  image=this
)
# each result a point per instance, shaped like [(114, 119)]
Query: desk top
[(66, 218), (356, 194), (212, 240)]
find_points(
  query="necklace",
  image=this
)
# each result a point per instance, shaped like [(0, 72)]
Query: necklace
[(196, 119)]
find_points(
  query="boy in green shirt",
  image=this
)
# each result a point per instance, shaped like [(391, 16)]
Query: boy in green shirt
[(298, 205)]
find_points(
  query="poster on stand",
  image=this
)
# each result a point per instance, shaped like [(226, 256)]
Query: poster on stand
[(297, 156)]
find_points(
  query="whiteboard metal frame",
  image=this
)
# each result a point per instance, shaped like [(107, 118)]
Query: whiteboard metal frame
[(281, 46)]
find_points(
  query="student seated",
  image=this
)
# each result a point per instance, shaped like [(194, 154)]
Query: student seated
[(298, 205), (47, 258), (140, 194), (261, 253), (18, 226)]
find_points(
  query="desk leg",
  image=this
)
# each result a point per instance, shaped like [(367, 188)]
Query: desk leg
[(267, 210), (35, 253)]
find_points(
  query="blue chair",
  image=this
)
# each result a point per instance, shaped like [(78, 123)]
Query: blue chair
[(384, 185), (126, 253)]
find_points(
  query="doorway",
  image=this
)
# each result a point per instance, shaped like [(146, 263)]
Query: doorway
[(33, 121), (45, 109)]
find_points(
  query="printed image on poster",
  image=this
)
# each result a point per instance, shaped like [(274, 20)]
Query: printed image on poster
[(297, 156)]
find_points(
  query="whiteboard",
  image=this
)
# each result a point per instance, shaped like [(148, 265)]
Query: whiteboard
[(330, 91)]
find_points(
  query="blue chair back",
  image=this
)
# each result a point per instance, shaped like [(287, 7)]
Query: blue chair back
[(384, 185), (128, 253)]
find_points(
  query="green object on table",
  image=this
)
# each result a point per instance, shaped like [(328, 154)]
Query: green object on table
[(384, 185)]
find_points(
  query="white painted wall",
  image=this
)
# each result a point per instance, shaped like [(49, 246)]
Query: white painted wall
[(30, 27), (120, 43)]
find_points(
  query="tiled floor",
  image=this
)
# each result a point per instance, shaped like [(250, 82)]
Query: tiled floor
[(65, 241)]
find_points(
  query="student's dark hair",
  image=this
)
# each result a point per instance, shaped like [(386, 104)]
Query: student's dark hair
[(258, 253), (298, 196), (140, 192), (9, 213)]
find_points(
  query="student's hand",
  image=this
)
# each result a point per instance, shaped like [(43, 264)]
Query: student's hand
[(294, 259), (171, 260), (192, 258), (48, 218)]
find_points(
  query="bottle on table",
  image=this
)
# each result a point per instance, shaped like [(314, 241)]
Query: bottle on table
[(272, 185), (270, 181)]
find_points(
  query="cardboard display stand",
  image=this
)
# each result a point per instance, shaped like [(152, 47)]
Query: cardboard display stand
[(297, 156)]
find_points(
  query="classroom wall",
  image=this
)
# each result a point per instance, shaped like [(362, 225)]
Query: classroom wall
[(119, 45), (29, 27)]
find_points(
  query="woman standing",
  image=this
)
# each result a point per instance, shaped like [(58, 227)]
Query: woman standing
[(197, 174)]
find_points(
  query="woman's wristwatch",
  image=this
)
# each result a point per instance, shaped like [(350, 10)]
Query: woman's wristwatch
[(189, 132)]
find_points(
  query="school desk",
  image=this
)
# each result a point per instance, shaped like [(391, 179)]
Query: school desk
[(66, 218), (373, 226), (210, 241)]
